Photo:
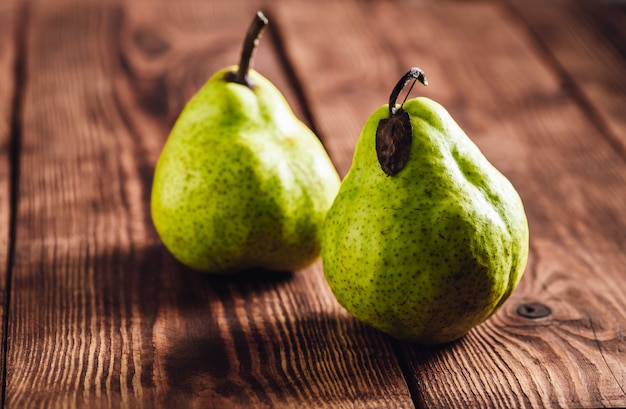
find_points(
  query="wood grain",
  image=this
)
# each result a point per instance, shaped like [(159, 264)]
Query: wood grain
[(10, 18), (485, 65), (589, 53), (101, 314)]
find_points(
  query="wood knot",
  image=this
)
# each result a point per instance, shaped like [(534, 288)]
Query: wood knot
[(533, 310)]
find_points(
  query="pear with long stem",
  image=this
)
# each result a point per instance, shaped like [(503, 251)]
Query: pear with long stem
[(241, 183)]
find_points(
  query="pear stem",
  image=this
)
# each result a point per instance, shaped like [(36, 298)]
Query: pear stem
[(247, 52), (415, 74), (394, 135)]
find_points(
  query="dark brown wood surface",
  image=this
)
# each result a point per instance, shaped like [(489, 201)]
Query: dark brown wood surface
[(9, 23), (96, 313)]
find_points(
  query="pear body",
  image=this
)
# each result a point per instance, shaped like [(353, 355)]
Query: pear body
[(241, 183), (432, 251)]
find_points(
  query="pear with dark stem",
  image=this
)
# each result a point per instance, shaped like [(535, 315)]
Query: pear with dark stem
[(426, 239), (241, 182)]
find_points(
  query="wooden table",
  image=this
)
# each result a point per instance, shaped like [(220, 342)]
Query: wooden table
[(96, 312)]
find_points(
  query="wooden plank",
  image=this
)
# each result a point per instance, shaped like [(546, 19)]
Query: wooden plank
[(590, 54), (10, 18), (483, 65), (101, 314), (336, 72)]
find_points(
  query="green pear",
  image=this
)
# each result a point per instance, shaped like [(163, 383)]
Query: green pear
[(241, 183), (426, 239)]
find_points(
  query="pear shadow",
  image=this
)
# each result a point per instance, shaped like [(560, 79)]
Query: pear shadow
[(186, 314), (248, 276), (413, 358), (253, 365), (197, 289), (412, 354), (144, 279)]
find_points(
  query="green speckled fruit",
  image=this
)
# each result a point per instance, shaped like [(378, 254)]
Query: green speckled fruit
[(241, 183), (426, 239)]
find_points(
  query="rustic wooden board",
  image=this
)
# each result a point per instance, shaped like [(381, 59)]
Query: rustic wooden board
[(10, 17), (484, 64), (101, 314), (589, 53)]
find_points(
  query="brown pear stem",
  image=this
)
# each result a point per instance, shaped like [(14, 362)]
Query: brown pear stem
[(247, 52), (394, 135), (415, 74)]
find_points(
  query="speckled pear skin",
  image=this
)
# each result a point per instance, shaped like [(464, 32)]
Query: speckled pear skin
[(429, 253), (241, 183)]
